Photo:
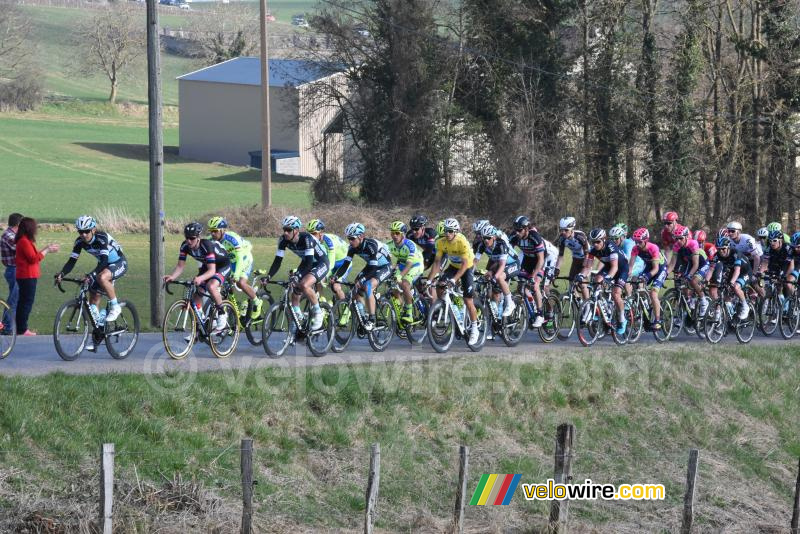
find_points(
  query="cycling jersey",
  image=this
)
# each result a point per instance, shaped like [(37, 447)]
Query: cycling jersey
[(406, 252), (747, 246), (500, 251), (531, 245), (374, 253), (651, 255), (685, 253), (732, 260), (207, 253), (335, 246), (607, 255), (458, 251), (102, 246), (778, 260), (240, 252), (577, 243), (307, 248), (636, 264), (427, 242)]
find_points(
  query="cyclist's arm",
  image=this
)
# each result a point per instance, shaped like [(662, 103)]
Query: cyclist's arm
[(613, 269), (73, 258), (176, 272), (345, 264), (695, 265), (276, 263), (735, 273)]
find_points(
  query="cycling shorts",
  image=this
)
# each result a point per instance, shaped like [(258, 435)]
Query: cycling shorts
[(657, 281), (248, 267), (467, 280), (117, 269), (319, 270), (411, 276), (219, 276), (700, 272), (620, 278)]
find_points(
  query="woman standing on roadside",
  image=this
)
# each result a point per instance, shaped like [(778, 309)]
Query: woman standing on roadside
[(28, 259)]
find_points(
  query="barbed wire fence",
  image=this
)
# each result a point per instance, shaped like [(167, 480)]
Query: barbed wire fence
[(433, 488)]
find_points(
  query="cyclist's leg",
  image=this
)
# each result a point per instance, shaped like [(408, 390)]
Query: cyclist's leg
[(656, 284), (243, 282), (468, 289)]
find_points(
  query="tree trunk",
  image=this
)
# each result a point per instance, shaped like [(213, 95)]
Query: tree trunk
[(113, 96)]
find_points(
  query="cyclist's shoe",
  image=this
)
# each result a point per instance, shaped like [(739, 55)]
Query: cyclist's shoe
[(316, 321), (537, 322), (220, 323), (703, 307), (345, 317), (257, 305), (369, 326), (622, 327), (657, 325), (113, 312), (90, 346), (474, 334), (188, 339), (509, 308), (743, 312)]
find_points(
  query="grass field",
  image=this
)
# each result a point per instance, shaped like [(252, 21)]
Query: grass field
[(637, 413)]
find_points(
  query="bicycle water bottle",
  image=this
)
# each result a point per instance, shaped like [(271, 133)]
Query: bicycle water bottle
[(459, 313), (200, 315), (102, 319), (360, 308), (495, 311), (457, 302), (95, 313), (731, 308)]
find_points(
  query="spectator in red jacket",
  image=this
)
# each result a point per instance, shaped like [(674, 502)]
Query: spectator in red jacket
[(28, 259)]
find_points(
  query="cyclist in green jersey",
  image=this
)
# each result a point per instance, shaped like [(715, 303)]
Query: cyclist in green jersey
[(336, 248), (410, 264), (240, 254)]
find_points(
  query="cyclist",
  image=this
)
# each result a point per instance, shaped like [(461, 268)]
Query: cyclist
[(734, 268), (111, 266), (336, 249), (460, 261), (424, 237), (654, 272), (503, 264), (534, 260), (313, 266), (240, 254), (700, 237), (615, 269), (410, 265), (477, 238), (619, 235), (744, 244), (761, 237), (779, 260), (696, 265), (578, 245), (777, 227), (670, 220), (214, 267)]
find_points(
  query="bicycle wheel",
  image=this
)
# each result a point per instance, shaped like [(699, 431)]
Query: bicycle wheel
[(665, 332), (381, 335), (513, 327), (621, 339), (700, 319), (588, 323), (569, 312), (319, 341), (679, 315), (768, 315), (8, 332), (416, 330), (714, 322), (179, 331), (344, 325), (745, 328), (790, 318), (122, 334), (441, 327), (552, 318), (637, 325), (70, 330), (276, 330), (223, 341)]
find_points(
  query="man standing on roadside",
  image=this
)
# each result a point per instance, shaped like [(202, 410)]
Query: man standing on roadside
[(8, 252)]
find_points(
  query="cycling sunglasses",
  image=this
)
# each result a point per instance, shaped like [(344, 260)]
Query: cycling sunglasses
[(84, 232), (449, 231), (287, 229)]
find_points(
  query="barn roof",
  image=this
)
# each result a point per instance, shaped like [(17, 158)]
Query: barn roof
[(247, 71)]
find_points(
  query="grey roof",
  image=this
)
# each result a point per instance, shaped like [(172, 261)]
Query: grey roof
[(247, 71)]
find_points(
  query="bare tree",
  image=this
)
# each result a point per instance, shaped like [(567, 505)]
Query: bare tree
[(112, 41), (227, 32), (14, 26)]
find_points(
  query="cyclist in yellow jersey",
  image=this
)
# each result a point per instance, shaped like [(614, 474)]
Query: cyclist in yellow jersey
[(240, 254), (460, 259)]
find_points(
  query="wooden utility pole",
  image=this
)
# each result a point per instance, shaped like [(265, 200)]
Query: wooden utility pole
[(247, 486), (156, 165), (266, 158), (688, 498), (565, 440), (106, 523)]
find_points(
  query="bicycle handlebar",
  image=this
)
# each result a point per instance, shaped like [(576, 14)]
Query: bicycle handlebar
[(58, 282), (185, 283)]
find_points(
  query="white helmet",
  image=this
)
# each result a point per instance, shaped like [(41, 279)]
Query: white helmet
[(617, 232), (477, 226), (354, 230), (290, 221), (762, 232), (734, 225), (85, 222), (567, 223), (452, 224), (488, 231)]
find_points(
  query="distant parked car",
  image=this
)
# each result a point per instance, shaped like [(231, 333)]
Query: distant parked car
[(185, 6), (299, 20)]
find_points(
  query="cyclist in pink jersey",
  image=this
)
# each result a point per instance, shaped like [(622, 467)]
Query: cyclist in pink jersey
[(696, 266), (655, 269)]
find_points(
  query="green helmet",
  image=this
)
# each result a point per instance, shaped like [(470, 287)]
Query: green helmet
[(216, 223), (398, 226), (774, 227), (315, 225), (624, 227), (440, 229)]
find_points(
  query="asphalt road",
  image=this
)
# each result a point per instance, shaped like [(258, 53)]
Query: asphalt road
[(34, 356)]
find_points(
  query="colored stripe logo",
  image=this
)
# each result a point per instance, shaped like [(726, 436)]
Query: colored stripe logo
[(495, 489)]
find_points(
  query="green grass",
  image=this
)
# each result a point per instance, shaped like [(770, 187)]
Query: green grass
[(57, 167), (636, 412)]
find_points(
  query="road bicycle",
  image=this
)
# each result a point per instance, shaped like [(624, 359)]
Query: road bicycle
[(510, 329), (351, 319), (643, 315), (571, 303), (790, 314), (768, 307), (685, 310), (722, 316), (551, 304), (75, 322), (414, 331), (184, 324), (245, 308), (283, 325), (8, 336), (596, 317), (449, 318)]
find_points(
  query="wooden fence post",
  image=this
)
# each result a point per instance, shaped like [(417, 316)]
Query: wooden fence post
[(796, 507), (372, 487), (565, 439), (688, 498), (247, 485), (106, 488), (461, 494)]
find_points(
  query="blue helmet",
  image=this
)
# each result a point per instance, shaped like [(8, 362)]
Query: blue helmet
[(723, 241), (796, 239), (354, 230), (775, 234)]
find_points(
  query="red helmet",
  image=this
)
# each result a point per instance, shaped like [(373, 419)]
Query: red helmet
[(641, 234), (670, 216), (700, 236), (680, 231), (710, 248), (722, 231)]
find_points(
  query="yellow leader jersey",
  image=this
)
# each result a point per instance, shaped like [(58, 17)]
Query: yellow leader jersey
[(458, 251)]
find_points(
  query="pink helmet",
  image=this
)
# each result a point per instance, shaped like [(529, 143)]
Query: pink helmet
[(641, 235), (700, 236), (670, 216), (680, 231)]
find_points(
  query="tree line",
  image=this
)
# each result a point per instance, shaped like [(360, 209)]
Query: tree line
[(608, 110)]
